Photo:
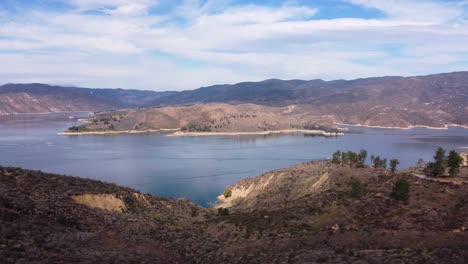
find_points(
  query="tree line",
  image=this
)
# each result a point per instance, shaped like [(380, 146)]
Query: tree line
[(358, 159), (453, 162)]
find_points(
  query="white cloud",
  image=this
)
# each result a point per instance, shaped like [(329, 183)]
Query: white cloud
[(201, 43), (416, 10), (130, 9)]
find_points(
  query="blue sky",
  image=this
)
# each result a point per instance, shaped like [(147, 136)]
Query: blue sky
[(185, 44)]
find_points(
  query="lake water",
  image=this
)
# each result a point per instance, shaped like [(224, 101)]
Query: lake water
[(195, 167)]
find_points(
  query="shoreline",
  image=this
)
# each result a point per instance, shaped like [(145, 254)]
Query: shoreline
[(445, 127), (47, 113), (120, 132), (261, 133), (177, 133)]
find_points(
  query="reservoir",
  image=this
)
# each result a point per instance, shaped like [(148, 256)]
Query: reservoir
[(197, 168)]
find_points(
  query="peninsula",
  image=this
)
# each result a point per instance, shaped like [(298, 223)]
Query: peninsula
[(314, 212)]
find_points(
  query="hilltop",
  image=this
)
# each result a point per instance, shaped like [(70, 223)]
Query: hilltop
[(43, 98), (432, 100), (210, 119), (308, 213)]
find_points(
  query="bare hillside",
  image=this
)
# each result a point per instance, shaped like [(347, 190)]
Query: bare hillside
[(211, 118), (308, 213)]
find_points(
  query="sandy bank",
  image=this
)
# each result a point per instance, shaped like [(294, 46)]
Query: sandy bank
[(408, 127), (117, 132), (268, 132)]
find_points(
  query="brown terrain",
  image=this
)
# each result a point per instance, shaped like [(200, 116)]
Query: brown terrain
[(210, 118), (308, 213), (42, 98), (433, 100)]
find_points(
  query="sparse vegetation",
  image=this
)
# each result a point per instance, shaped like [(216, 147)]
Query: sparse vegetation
[(223, 211), (393, 165), (362, 156), (454, 162), (227, 192), (322, 128), (350, 158), (196, 128), (401, 190), (420, 164), (81, 128), (357, 189), (437, 168), (378, 162), (336, 157)]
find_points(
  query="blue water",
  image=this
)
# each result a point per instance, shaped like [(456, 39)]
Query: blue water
[(195, 167)]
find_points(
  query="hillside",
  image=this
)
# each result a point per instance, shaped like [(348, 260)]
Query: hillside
[(432, 100), (214, 118), (308, 213), (41, 98)]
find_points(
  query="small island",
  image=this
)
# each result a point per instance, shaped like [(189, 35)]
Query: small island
[(208, 120)]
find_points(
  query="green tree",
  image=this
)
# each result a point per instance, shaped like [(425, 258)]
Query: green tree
[(437, 167), (454, 162), (362, 156), (401, 190), (352, 157), (393, 165), (336, 158), (376, 161), (344, 158), (383, 164)]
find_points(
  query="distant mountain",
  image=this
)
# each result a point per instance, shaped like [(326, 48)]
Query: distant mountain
[(42, 98), (432, 100)]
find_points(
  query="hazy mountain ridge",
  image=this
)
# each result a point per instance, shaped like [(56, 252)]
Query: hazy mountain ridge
[(42, 98), (432, 100)]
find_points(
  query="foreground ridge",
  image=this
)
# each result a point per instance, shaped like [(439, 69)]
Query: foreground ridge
[(306, 213)]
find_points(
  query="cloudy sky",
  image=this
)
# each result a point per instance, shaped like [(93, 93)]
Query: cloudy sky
[(185, 44)]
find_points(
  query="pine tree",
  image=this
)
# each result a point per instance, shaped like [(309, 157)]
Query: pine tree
[(393, 165), (437, 167), (454, 162)]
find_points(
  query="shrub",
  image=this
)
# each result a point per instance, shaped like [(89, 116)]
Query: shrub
[(401, 190), (196, 128), (393, 165), (336, 158), (357, 189), (81, 128), (362, 156), (227, 192), (223, 211)]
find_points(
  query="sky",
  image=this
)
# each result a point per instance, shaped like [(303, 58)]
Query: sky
[(186, 44)]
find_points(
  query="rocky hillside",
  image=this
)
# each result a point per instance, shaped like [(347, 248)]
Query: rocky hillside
[(41, 98), (309, 213), (210, 118), (432, 100)]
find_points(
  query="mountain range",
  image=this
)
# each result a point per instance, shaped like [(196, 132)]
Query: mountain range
[(431, 100)]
